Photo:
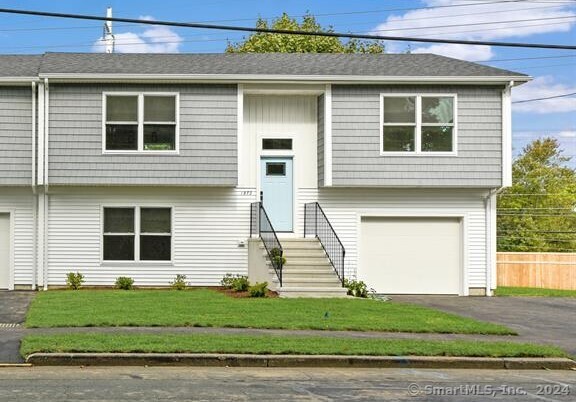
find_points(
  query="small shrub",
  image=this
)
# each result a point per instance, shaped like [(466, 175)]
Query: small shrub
[(277, 257), (74, 280), (124, 283), (238, 283), (356, 288), (179, 283), (258, 289)]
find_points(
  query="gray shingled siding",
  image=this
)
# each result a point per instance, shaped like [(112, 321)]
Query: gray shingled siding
[(356, 140), (208, 131), (320, 137), (15, 136)]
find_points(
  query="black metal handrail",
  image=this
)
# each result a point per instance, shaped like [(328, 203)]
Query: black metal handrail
[(261, 226), (317, 224)]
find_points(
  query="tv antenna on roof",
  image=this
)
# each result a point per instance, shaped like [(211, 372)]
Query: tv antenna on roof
[(107, 35)]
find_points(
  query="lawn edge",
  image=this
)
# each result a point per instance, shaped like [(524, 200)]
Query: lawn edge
[(251, 360)]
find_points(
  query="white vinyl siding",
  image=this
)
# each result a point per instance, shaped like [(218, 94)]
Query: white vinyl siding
[(20, 203), (208, 224), (345, 207)]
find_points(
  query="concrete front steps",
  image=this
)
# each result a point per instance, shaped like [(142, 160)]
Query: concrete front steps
[(307, 272)]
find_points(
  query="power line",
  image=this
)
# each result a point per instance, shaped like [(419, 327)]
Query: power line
[(285, 31), (548, 97)]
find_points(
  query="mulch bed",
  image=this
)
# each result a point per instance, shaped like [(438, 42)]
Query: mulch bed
[(239, 295)]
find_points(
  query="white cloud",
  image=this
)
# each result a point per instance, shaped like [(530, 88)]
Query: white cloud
[(567, 134), (464, 52), (439, 23), (155, 39), (543, 87)]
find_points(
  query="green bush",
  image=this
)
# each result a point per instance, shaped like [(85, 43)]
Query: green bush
[(238, 283), (356, 288), (124, 283), (277, 257), (74, 280), (258, 289), (179, 283)]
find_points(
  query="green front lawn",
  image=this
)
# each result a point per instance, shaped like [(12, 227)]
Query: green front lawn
[(535, 292), (208, 308), (211, 343)]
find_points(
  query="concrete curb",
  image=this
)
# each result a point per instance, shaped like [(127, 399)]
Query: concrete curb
[(246, 360)]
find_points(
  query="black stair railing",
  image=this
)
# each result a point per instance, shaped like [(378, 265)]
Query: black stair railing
[(317, 224), (261, 226)]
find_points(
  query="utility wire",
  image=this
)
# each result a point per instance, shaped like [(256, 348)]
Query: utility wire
[(548, 97), (285, 31)]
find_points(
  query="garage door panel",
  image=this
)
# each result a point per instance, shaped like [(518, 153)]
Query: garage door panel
[(411, 255)]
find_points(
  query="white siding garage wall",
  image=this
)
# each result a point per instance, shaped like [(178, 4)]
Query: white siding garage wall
[(19, 202), (208, 224), (346, 206)]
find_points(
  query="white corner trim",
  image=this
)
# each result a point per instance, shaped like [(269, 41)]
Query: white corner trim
[(328, 136), (507, 135), (41, 124), (491, 256), (240, 133), (46, 129), (33, 177)]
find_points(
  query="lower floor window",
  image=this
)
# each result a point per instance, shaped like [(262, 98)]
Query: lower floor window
[(137, 234)]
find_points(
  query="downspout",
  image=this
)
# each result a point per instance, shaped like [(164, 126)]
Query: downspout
[(45, 169), (40, 221), (33, 183)]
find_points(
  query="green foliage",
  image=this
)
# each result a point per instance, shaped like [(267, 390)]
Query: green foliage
[(124, 283), (74, 280), (179, 283), (356, 288), (258, 289), (238, 283), (278, 43), (537, 213), (277, 257)]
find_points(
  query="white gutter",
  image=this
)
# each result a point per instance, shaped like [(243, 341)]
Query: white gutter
[(328, 136), (277, 78)]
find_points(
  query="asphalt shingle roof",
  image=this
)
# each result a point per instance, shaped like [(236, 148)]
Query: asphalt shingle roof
[(297, 64), (15, 66)]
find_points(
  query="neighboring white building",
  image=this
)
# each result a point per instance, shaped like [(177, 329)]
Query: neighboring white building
[(147, 165)]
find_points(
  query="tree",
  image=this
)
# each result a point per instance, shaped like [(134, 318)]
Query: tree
[(538, 213), (279, 43)]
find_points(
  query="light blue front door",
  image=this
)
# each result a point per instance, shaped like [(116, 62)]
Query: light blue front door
[(277, 192)]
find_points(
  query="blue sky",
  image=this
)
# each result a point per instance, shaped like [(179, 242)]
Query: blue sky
[(544, 21)]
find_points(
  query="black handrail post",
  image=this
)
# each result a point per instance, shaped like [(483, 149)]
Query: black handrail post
[(328, 238), (269, 238)]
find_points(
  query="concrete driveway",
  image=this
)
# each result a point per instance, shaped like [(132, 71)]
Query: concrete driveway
[(547, 320)]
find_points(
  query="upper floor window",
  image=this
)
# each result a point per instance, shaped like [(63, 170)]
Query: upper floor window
[(142, 122), (420, 124)]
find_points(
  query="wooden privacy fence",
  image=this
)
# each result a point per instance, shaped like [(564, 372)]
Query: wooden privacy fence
[(537, 270)]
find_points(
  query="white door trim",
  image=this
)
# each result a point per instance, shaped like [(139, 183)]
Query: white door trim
[(11, 214), (419, 213)]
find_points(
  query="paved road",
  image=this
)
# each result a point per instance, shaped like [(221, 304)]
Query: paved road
[(536, 319), (223, 384)]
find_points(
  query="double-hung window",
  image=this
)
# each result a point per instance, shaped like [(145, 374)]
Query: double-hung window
[(137, 234), (141, 122), (418, 124)]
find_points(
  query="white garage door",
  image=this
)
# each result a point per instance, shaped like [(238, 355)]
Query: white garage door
[(4, 251), (411, 255)]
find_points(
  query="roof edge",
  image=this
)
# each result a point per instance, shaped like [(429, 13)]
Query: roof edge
[(284, 78)]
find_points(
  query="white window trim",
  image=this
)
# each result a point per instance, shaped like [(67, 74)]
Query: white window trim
[(140, 123), (418, 125), (136, 234)]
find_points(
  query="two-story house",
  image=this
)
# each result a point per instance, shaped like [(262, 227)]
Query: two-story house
[(149, 165)]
